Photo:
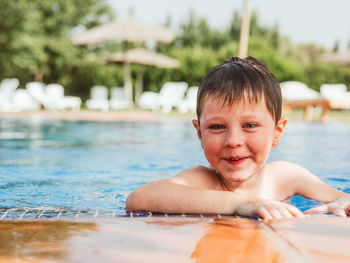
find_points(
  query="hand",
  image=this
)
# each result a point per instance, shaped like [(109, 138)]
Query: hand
[(268, 209), (339, 207)]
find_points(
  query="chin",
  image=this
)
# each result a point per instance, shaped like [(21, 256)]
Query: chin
[(237, 179)]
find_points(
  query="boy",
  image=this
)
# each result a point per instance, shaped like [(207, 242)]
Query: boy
[(239, 107)]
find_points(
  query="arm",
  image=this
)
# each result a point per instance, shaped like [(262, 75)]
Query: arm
[(308, 185), (191, 191), (194, 191), (168, 197)]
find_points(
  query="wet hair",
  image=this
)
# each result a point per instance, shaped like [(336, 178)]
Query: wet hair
[(239, 79)]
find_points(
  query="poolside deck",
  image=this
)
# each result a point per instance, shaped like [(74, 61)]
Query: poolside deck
[(307, 105), (175, 239), (141, 115), (89, 115)]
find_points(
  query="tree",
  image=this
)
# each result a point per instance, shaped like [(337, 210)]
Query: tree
[(197, 32), (34, 42), (336, 46)]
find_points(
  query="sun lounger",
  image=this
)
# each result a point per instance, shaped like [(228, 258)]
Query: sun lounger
[(98, 98), (190, 101), (58, 101), (296, 94), (337, 95), (171, 95), (37, 91), (148, 100), (8, 88), (22, 101), (51, 96), (118, 100)]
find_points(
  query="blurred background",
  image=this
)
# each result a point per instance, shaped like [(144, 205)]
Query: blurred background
[(294, 38)]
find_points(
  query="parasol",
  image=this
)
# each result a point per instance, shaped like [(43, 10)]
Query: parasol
[(124, 30), (142, 56), (342, 58)]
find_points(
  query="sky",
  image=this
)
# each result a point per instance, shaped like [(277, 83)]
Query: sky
[(323, 22)]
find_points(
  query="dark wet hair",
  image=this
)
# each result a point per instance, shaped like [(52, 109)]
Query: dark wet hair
[(236, 79)]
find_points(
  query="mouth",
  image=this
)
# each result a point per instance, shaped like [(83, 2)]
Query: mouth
[(236, 160)]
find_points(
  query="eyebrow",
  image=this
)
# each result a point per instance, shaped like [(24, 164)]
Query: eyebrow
[(218, 118)]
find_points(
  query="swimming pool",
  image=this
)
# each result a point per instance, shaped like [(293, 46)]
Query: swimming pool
[(72, 165)]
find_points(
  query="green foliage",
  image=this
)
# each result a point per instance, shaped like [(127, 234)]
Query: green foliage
[(86, 74), (197, 32), (35, 45), (284, 67), (197, 60), (320, 72)]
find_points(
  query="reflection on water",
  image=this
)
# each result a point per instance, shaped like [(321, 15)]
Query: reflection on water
[(235, 240), (39, 241), (176, 239)]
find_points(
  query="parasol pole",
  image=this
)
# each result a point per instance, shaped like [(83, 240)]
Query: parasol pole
[(244, 36), (139, 83), (127, 74), (127, 80)]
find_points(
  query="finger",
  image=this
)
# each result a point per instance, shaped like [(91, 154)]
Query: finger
[(263, 213), (285, 213), (339, 212), (274, 212), (317, 209), (295, 211), (347, 210)]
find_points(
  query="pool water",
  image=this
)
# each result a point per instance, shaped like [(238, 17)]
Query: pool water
[(95, 165)]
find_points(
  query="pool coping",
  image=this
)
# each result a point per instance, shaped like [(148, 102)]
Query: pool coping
[(176, 239)]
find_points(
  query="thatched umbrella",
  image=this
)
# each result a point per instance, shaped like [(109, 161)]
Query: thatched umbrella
[(342, 58), (143, 56), (124, 30)]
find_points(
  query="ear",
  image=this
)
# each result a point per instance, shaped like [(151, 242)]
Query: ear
[(279, 130), (198, 129)]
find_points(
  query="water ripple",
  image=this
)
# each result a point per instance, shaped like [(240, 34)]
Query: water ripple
[(95, 165)]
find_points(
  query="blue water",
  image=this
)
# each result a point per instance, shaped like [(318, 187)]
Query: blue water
[(95, 165)]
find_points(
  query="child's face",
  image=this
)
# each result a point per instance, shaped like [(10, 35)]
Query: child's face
[(237, 139)]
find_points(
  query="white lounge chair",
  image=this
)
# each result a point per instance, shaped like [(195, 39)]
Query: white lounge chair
[(37, 91), (189, 103), (57, 100), (171, 95), (118, 100), (8, 88), (296, 94), (98, 98), (148, 100), (296, 90), (22, 101), (337, 95)]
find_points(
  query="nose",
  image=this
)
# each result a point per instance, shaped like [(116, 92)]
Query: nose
[(234, 138)]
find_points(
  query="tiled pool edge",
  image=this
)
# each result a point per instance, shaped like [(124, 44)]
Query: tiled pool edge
[(158, 237), (58, 213)]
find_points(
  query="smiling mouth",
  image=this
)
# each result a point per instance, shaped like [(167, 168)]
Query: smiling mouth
[(236, 160)]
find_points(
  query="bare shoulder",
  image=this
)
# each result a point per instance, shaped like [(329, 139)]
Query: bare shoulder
[(292, 179), (199, 177), (288, 177), (285, 168)]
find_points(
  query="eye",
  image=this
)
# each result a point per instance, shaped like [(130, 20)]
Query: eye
[(216, 127), (250, 125)]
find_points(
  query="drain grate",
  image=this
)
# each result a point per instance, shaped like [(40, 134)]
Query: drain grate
[(37, 213)]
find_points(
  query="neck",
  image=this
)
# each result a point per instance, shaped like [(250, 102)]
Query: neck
[(252, 184)]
